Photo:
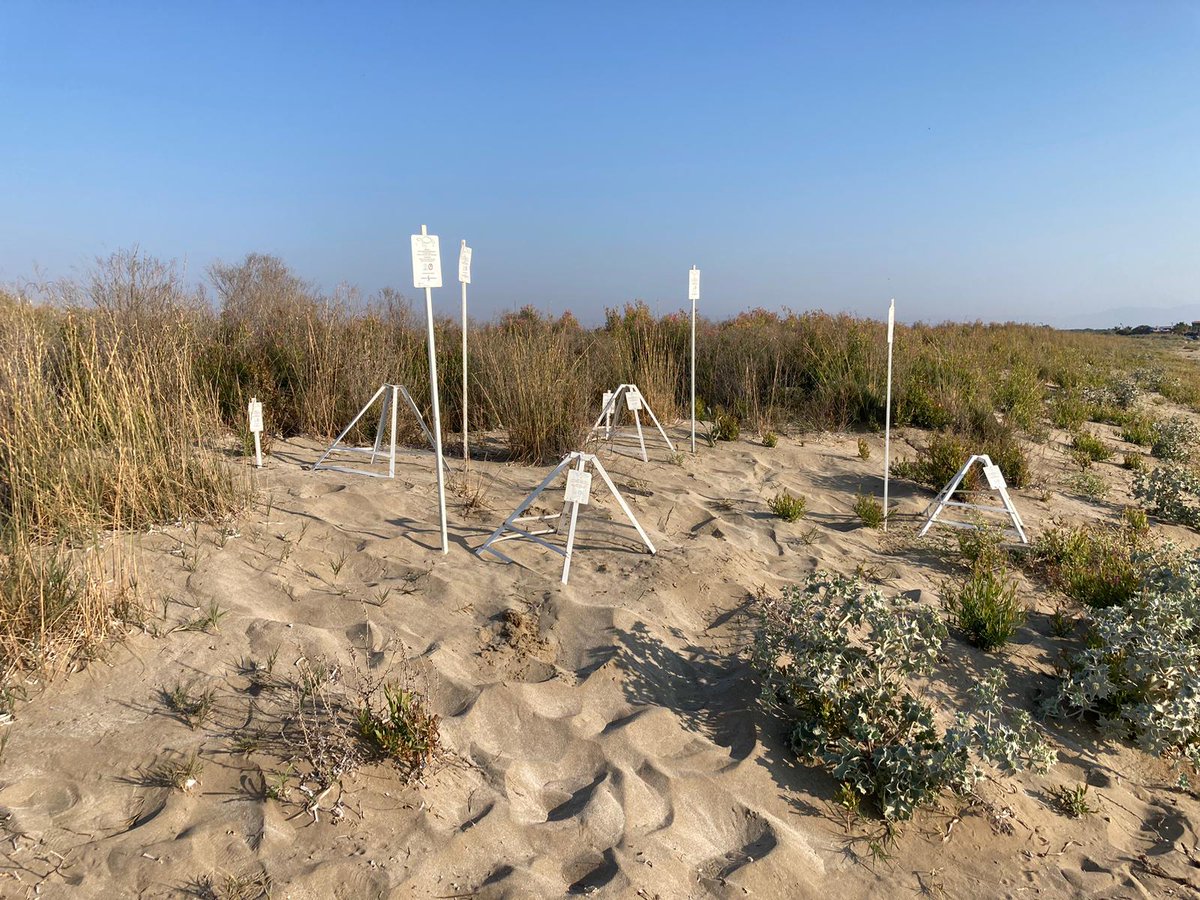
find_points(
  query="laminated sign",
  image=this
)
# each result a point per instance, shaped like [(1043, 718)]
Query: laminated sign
[(633, 401), (579, 487), (464, 264), (256, 416), (694, 284), (427, 261), (995, 478)]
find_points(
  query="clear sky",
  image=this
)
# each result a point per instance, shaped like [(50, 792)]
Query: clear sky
[(1027, 160)]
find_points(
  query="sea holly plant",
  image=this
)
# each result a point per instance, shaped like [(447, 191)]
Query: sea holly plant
[(838, 663), (1171, 492), (1139, 675)]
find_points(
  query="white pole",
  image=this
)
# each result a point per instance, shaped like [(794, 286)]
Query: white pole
[(466, 455), (437, 413), (392, 454), (694, 294), (887, 416)]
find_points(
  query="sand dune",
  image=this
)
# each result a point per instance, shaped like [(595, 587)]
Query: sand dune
[(601, 737)]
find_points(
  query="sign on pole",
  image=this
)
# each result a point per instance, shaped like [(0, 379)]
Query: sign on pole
[(426, 260), (427, 273), (693, 295), (464, 277), (887, 415), (256, 428)]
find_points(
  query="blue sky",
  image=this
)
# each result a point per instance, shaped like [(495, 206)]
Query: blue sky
[(1032, 161)]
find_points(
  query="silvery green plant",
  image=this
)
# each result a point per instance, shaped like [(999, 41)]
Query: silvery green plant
[(838, 661), (1139, 676), (1170, 492), (1174, 439)]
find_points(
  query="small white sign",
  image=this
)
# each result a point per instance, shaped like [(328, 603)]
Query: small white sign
[(579, 487), (995, 478), (464, 264), (694, 284), (633, 401), (608, 395), (891, 320), (256, 416), (427, 261)]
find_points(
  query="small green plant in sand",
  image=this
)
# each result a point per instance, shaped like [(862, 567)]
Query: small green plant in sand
[(869, 510), (864, 449), (1098, 566), (1071, 801), (192, 708), (985, 607), (1138, 430), (401, 728), (1090, 447), (1090, 485), (788, 506), (1134, 462), (770, 439), (725, 427)]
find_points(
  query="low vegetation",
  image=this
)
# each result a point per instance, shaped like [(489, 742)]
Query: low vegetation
[(788, 506), (985, 606), (837, 663)]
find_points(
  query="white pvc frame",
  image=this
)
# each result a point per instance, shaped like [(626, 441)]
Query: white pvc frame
[(391, 393), (943, 500), (511, 528), (610, 415)]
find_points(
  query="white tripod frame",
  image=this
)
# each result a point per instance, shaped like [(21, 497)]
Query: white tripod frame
[(995, 480), (610, 415), (391, 394), (577, 495)]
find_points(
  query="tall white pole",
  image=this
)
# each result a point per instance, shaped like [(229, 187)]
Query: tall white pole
[(437, 412), (693, 295), (466, 455), (887, 415)]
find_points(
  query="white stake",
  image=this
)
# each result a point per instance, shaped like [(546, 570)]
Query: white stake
[(464, 276), (693, 295), (427, 273), (887, 416), (256, 427)]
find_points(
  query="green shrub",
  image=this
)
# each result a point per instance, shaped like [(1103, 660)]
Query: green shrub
[(869, 510), (1134, 462), (726, 427), (985, 607), (836, 661), (1089, 485), (1135, 519), (983, 546), (1091, 446), (1170, 492), (1068, 410), (1098, 566), (1174, 439), (864, 449), (1139, 673), (1139, 429), (770, 439), (788, 507), (937, 462), (403, 730)]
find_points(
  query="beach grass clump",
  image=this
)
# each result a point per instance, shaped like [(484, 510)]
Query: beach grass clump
[(985, 607), (770, 439), (837, 662), (788, 506), (1138, 429), (536, 387), (105, 431), (399, 727)]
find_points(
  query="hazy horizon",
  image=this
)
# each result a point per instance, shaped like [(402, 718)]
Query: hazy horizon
[(1022, 162)]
